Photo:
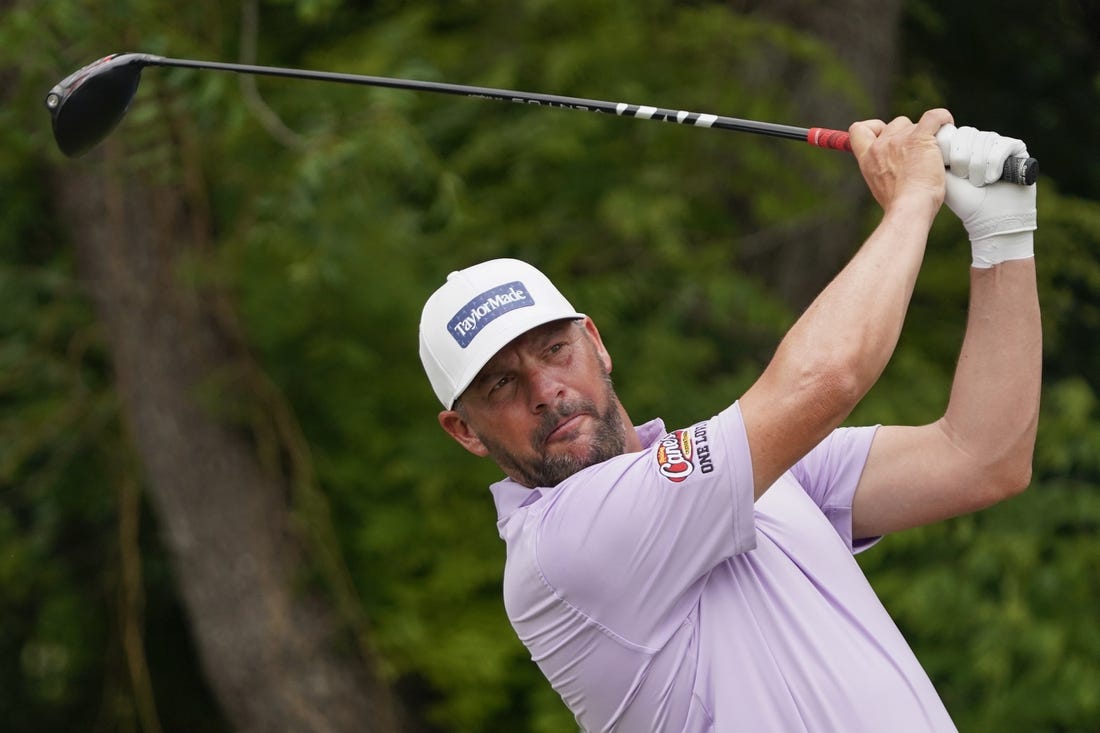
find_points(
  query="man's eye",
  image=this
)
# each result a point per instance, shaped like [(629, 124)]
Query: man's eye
[(500, 384)]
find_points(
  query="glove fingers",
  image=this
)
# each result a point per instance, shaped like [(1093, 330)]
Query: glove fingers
[(1002, 149), (961, 145), (979, 156)]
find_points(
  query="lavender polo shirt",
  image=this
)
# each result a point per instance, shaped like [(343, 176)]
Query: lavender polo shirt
[(655, 596)]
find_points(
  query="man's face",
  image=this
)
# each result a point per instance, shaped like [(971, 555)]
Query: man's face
[(543, 408)]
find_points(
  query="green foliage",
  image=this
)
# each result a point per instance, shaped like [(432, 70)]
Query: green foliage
[(60, 446), (55, 521), (329, 246), (1030, 72), (63, 455)]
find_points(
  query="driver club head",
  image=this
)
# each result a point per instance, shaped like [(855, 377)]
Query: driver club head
[(86, 105)]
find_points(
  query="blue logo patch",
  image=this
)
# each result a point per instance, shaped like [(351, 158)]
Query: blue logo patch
[(486, 308)]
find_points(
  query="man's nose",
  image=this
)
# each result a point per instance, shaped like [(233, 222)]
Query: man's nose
[(546, 389)]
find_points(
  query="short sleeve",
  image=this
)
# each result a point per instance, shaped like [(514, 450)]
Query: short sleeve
[(626, 541), (830, 474)]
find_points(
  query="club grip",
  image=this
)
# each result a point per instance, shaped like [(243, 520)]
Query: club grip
[(832, 139), (1023, 171)]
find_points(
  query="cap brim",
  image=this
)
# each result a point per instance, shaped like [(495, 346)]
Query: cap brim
[(492, 341)]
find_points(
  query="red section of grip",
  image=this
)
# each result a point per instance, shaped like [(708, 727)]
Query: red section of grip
[(824, 138)]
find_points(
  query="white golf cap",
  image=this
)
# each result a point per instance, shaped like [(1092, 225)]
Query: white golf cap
[(476, 313)]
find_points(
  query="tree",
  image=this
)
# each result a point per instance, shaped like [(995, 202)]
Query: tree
[(799, 256), (277, 652), (270, 649)]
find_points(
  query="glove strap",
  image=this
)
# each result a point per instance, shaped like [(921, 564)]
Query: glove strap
[(1001, 248)]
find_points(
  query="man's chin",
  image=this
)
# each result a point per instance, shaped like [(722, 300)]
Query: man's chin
[(554, 470)]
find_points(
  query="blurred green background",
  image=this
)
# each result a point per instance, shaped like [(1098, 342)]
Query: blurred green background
[(307, 224)]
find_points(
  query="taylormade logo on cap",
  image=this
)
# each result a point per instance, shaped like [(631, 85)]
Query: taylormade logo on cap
[(485, 308), (476, 313)]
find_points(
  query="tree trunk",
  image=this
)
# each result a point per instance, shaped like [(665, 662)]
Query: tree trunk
[(863, 34), (276, 655)]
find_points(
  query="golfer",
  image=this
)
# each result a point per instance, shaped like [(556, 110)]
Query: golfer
[(702, 578)]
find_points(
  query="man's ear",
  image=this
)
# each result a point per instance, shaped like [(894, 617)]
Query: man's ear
[(601, 351), (460, 430)]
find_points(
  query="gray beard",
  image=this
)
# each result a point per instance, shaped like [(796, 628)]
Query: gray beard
[(608, 441)]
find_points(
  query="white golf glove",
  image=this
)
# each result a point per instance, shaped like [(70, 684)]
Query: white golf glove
[(999, 217)]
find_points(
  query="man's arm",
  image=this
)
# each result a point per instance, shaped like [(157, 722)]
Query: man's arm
[(980, 451), (838, 348)]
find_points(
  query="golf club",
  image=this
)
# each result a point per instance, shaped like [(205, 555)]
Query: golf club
[(86, 105)]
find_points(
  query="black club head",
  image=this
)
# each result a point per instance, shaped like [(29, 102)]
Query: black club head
[(86, 105)]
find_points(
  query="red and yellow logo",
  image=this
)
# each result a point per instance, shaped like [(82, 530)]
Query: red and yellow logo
[(675, 454)]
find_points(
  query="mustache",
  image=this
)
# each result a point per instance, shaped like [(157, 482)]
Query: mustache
[(555, 415)]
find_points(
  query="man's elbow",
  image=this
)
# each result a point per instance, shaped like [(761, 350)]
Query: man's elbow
[(997, 467), (841, 382), (1008, 478), (1019, 480)]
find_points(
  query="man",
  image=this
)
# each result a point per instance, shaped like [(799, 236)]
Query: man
[(703, 579)]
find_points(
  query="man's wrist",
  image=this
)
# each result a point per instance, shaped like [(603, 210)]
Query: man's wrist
[(915, 207)]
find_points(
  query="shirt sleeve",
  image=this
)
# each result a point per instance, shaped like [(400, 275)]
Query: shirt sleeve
[(627, 542), (830, 473)]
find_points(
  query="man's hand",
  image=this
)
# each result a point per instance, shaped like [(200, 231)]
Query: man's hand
[(902, 159), (999, 217)]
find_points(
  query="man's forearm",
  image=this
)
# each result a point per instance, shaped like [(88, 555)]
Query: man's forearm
[(838, 348), (993, 411), (858, 318)]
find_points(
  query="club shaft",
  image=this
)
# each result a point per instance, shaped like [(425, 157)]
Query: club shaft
[(1022, 170), (1016, 170), (697, 119)]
